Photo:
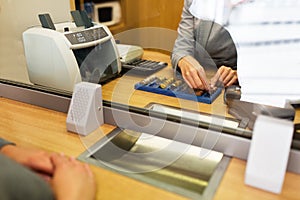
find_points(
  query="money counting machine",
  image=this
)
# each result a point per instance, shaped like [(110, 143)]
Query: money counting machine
[(63, 54)]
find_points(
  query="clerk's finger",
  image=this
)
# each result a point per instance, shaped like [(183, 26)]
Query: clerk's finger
[(230, 76), (184, 75), (203, 78), (196, 81)]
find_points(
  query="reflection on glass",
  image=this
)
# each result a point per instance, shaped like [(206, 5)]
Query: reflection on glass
[(265, 32)]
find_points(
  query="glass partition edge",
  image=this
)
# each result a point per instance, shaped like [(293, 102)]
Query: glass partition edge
[(35, 95)]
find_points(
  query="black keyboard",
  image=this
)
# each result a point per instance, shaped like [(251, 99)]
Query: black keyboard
[(143, 66)]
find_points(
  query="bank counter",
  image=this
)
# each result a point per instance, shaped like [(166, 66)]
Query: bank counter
[(33, 126)]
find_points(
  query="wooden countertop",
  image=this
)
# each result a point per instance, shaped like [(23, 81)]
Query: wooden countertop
[(37, 127), (32, 126)]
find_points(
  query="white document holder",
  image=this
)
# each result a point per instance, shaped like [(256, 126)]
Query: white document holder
[(269, 153), (85, 112)]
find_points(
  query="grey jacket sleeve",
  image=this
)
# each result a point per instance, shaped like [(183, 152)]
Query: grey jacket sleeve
[(18, 182), (206, 41), (184, 44), (4, 142)]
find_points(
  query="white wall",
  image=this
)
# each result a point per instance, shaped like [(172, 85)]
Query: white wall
[(15, 17)]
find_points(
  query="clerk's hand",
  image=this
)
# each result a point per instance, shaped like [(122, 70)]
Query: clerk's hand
[(225, 76), (193, 73)]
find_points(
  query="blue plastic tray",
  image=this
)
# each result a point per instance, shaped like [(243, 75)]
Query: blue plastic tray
[(204, 98)]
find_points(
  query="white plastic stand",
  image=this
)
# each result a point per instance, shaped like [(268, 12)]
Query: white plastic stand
[(269, 153), (85, 112)]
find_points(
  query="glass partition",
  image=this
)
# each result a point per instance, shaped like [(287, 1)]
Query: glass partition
[(263, 40)]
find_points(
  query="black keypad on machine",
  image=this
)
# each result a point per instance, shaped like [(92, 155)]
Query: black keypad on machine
[(143, 66)]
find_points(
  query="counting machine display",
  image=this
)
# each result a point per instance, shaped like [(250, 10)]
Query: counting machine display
[(176, 87)]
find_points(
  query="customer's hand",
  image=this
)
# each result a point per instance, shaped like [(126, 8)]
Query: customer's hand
[(225, 76), (193, 73), (72, 179), (37, 160)]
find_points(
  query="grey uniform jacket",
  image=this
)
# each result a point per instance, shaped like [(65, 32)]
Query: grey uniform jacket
[(4, 142), (18, 182), (209, 42)]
